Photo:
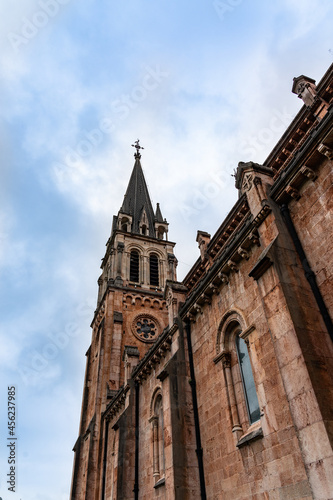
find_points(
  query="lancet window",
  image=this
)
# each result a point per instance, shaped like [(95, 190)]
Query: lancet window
[(134, 266), (158, 437), (154, 271)]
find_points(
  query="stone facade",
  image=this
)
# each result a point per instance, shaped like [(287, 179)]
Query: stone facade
[(219, 386)]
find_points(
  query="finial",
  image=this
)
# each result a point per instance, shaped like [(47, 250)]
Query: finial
[(137, 146)]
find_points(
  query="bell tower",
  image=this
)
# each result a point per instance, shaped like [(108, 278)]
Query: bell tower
[(138, 253), (131, 314)]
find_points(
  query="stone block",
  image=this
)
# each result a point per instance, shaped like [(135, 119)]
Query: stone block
[(315, 443)]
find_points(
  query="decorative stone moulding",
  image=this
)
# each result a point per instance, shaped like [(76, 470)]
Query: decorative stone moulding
[(190, 317), (233, 266), (245, 173), (293, 192), (205, 299), (223, 277), (326, 151), (245, 334), (144, 301), (146, 328), (212, 289), (309, 173), (99, 316), (305, 88), (154, 359), (195, 309), (117, 403), (266, 209), (254, 238), (243, 253)]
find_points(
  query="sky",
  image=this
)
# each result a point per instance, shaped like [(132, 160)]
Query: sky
[(203, 84)]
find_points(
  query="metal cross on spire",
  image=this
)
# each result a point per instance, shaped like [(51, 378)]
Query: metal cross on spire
[(137, 146)]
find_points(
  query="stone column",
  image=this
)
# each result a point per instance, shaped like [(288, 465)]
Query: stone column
[(156, 461), (144, 270), (226, 363), (120, 250)]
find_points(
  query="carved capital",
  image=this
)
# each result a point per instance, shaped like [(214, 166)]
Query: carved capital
[(226, 360), (245, 334)]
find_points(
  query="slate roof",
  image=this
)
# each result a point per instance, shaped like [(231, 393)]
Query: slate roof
[(137, 199)]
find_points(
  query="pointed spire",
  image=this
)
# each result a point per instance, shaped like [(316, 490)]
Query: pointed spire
[(137, 201), (158, 214)]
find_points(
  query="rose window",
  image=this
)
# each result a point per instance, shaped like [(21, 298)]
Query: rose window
[(145, 328)]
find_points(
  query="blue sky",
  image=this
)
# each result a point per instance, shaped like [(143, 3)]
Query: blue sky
[(203, 84)]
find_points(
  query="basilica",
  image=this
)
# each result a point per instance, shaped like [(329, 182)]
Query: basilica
[(219, 386)]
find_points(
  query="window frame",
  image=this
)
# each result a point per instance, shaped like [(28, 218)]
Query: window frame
[(253, 415), (232, 325), (158, 444), (134, 273), (155, 282)]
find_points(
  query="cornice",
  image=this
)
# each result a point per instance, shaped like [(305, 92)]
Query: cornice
[(303, 164), (140, 237), (155, 354), (116, 403), (99, 313), (135, 290), (142, 292), (301, 126), (226, 263), (223, 236)]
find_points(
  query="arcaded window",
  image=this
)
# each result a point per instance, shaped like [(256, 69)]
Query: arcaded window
[(249, 387), (134, 266), (153, 266)]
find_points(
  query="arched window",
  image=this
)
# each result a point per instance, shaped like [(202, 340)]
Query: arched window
[(144, 230), (232, 349), (249, 387), (158, 437), (153, 268), (134, 266), (124, 223), (160, 233)]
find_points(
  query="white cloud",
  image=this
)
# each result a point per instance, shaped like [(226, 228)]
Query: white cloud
[(223, 87), (306, 16)]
